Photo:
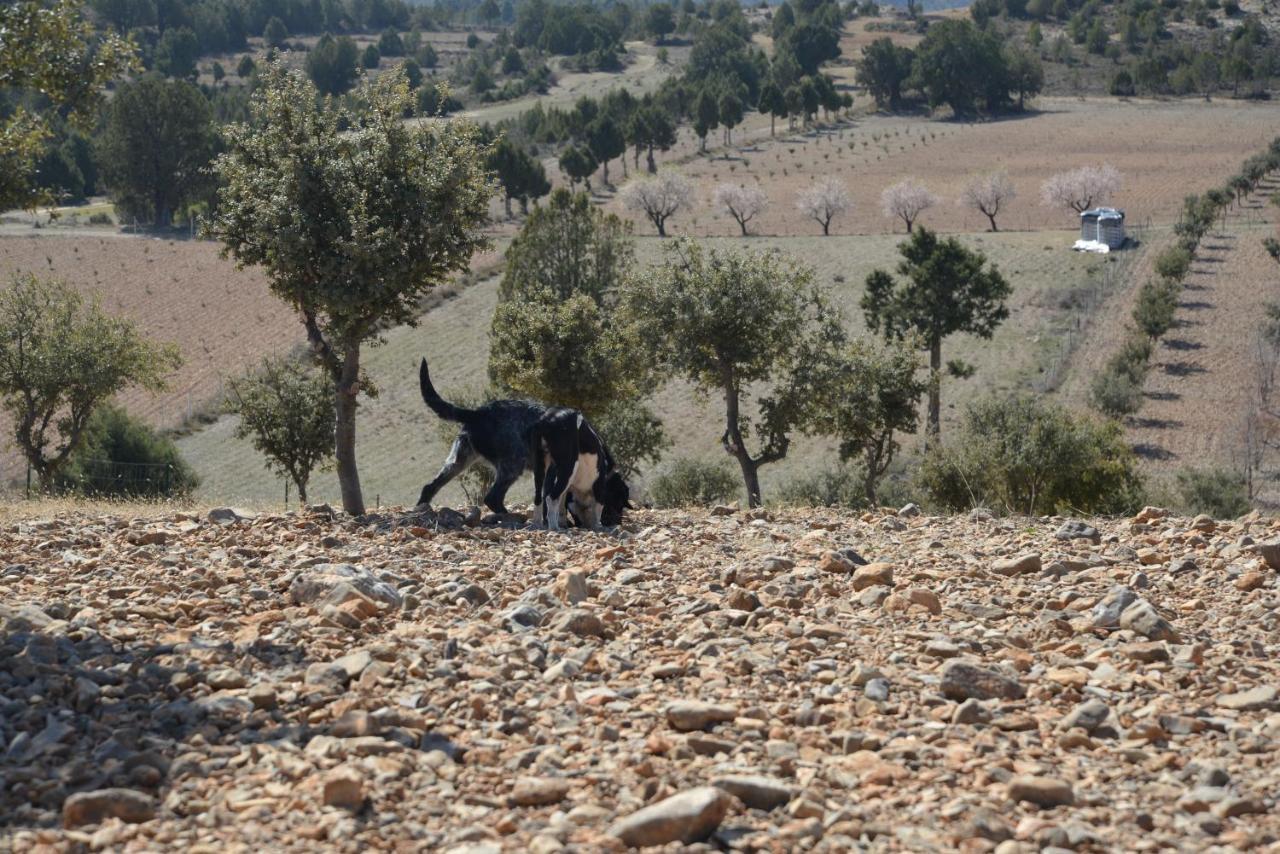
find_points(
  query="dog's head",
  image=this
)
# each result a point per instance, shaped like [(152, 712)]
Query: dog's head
[(614, 497)]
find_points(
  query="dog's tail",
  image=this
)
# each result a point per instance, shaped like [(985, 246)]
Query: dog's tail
[(441, 407)]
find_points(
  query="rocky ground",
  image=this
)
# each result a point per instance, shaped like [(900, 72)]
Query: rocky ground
[(750, 681)]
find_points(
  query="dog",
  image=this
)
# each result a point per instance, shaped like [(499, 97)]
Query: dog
[(500, 433), (571, 461)]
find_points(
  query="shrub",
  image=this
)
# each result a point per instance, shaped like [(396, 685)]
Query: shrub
[(1173, 263), (101, 218), (688, 482), (1122, 84), (1157, 304), (842, 486), (1115, 393), (1025, 456), (1221, 493), (124, 458)]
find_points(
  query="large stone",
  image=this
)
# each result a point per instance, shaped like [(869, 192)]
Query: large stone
[(1142, 617), (538, 791), (1089, 715), (338, 583), (1074, 529), (757, 792), (127, 805), (230, 515), (688, 817), (1269, 552), (571, 587), (873, 574), (690, 715), (962, 680), (1046, 792), (1021, 565), (1254, 700), (581, 622), (343, 787), (1106, 614)]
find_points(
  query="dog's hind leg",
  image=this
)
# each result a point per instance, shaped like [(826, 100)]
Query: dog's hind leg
[(508, 472), (460, 458)]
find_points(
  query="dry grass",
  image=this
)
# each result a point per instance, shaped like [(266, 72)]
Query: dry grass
[(15, 509)]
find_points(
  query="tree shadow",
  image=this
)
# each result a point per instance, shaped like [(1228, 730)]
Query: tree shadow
[(1151, 451), (1182, 344), (1182, 369), (1162, 395), (1156, 423), (1195, 305)]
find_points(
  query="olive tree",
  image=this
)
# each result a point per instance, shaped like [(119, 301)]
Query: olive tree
[(945, 288), (287, 411), (60, 359), (353, 214), (739, 324)]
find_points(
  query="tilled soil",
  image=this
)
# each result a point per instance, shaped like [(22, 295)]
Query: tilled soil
[(763, 681)]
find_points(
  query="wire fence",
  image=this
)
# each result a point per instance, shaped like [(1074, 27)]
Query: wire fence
[(108, 477)]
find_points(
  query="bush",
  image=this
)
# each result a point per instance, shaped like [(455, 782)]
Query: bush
[(124, 458), (101, 218), (690, 483), (1024, 456), (1157, 304), (1115, 394), (1221, 493), (842, 486), (1122, 84), (1173, 263)]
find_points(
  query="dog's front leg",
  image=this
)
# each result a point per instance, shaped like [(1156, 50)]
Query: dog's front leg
[(551, 510)]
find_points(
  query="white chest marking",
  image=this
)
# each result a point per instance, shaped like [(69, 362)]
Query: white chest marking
[(584, 475)]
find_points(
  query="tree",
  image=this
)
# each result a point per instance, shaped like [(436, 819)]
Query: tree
[(812, 44), (658, 198), (512, 62), (121, 456), (555, 335), (60, 359), (872, 394), (906, 200), (275, 34), (957, 64), (946, 289), (1026, 74), (353, 214), (824, 201), (371, 57), (287, 410), (156, 143), (50, 49), (730, 110), (578, 164), (738, 324), (389, 43), (219, 73), (987, 194), (331, 64), (245, 67), (884, 70), (606, 141), (660, 21), (177, 52), (521, 176), (706, 116), (1207, 74), (771, 103), (1081, 189), (741, 203), (651, 129)]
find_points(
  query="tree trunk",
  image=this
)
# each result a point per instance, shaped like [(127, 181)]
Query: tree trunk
[(826, 227), (772, 119), (742, 223), (302, 491), (992, 217), (637, 158), (869, 484), (661, 223), (507, 201), (348, 386), (624, 164), (653, 167), (935, 392), (605, 173), (733, 441)]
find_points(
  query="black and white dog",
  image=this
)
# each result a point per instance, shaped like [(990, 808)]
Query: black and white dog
[(570, 460), (501, 433)]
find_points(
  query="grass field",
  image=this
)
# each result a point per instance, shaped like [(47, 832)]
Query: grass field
[(399, 446)]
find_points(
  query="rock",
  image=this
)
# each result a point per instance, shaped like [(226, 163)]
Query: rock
[(225, 678), (343, 787), (688, 817), (876, 689), (690, 715), (1021, 565), (1089, 715), (1269, 552), (1142, 617), (835, 562), (939, 648), (127, 805), (971, 711), (1236, 807), (962, 680), (910, 511), (756, 792), (742, 600), (873, 574), (336, 584), (571, 587), (523, 616), (230, 515), (1106, 614), (355, 663), (538, 791), (1044, 792), (1074, 529), (1251, 580), (1253, 700), (579, 621)]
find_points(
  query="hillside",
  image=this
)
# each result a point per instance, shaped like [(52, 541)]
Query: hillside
[(217, 680)]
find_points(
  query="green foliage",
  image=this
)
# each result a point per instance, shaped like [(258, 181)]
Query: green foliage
[(122, 457), (1020, 455), (961, 66), (842, 486), (245, 67), (1122, 84), (520, 175), (739, 324), (1221, 493), (60, 359), (1115, 393), (1156, 306), (354, 216), (49, 48), (389, 43), (331, 64), (946, 289), (275, 33), (660, 21), (370, 58), (577, 163), (694, 483), (156, 145), (1173, 263), (288, 412)]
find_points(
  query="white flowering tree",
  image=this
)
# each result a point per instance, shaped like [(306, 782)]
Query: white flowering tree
[(906, 200), (988, 194), (1081, 189), (824, 201), (742, 203), (658, 197)]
